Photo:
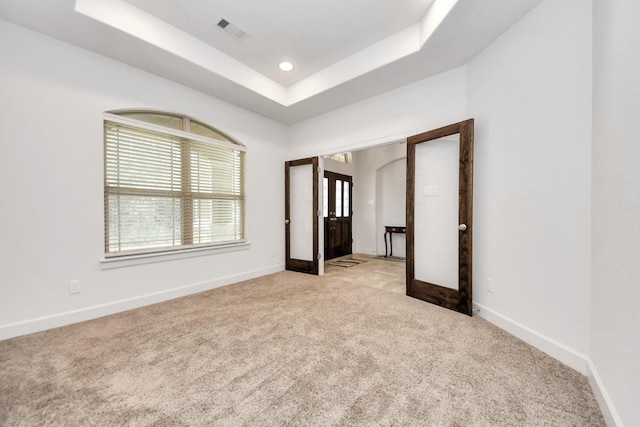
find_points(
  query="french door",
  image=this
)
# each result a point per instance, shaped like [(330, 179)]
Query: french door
[(439, 216), (301, 215), (337, 212)]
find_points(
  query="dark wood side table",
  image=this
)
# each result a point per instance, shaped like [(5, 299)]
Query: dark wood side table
[(390, 229)]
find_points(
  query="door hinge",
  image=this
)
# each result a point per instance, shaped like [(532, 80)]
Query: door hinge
[(319, 255)]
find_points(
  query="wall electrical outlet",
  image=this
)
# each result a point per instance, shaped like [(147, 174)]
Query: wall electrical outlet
[(74, 287), (489, 284)]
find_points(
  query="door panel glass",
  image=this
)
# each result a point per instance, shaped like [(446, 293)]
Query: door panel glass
[(301, 212), (436, 211), (338, 198), (347, 208)]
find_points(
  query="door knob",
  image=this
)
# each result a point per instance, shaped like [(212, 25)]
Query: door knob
[(462, 227), (286, 221)]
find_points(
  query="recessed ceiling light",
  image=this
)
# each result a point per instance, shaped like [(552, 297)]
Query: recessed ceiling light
[(286, 66)]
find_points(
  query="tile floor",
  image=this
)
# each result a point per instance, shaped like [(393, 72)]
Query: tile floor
[(376, 272)]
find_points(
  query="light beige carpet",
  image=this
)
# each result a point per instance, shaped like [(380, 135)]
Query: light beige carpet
[(287, 349)]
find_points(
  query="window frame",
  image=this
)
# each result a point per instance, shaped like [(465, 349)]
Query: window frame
[(143, 255)]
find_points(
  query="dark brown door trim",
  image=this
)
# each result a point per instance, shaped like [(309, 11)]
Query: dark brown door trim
[(461, 299)]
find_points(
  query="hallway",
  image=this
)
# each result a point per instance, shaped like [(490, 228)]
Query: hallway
[(376, 272)]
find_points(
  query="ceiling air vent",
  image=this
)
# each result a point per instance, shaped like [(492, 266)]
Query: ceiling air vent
[(231, 29)]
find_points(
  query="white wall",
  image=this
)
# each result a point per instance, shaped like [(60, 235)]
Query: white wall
[(391, 203), (378, 170), (338, 167), (530, 94), (51, 215), (615, 317), (392, 116)]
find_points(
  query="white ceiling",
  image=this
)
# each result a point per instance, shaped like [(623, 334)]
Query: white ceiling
[(343, 51)]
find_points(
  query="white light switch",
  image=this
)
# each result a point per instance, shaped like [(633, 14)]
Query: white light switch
[(430, 190)]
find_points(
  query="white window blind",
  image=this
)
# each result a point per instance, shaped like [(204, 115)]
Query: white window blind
[(167, 189)]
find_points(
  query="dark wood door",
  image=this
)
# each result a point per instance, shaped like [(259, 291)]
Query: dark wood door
[(301, 215), (337, 213), (439, 216)]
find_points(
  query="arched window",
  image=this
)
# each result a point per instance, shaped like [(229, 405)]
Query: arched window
[(170, 182)]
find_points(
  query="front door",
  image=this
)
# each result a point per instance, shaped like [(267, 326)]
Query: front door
[(439, 216), (301, 215), (337, 213)]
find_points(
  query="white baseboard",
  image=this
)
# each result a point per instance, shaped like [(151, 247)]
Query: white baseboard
[(61, 319), (553, 348), (570, 357), (606, 405)]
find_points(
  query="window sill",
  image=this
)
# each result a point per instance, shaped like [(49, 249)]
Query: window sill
[(139, 259)]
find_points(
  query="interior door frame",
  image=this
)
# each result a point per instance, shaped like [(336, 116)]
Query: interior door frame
[(302, 266), (461, 299)]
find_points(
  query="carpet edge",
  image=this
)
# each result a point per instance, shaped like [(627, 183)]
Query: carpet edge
[(39, 324), (559, 351)]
